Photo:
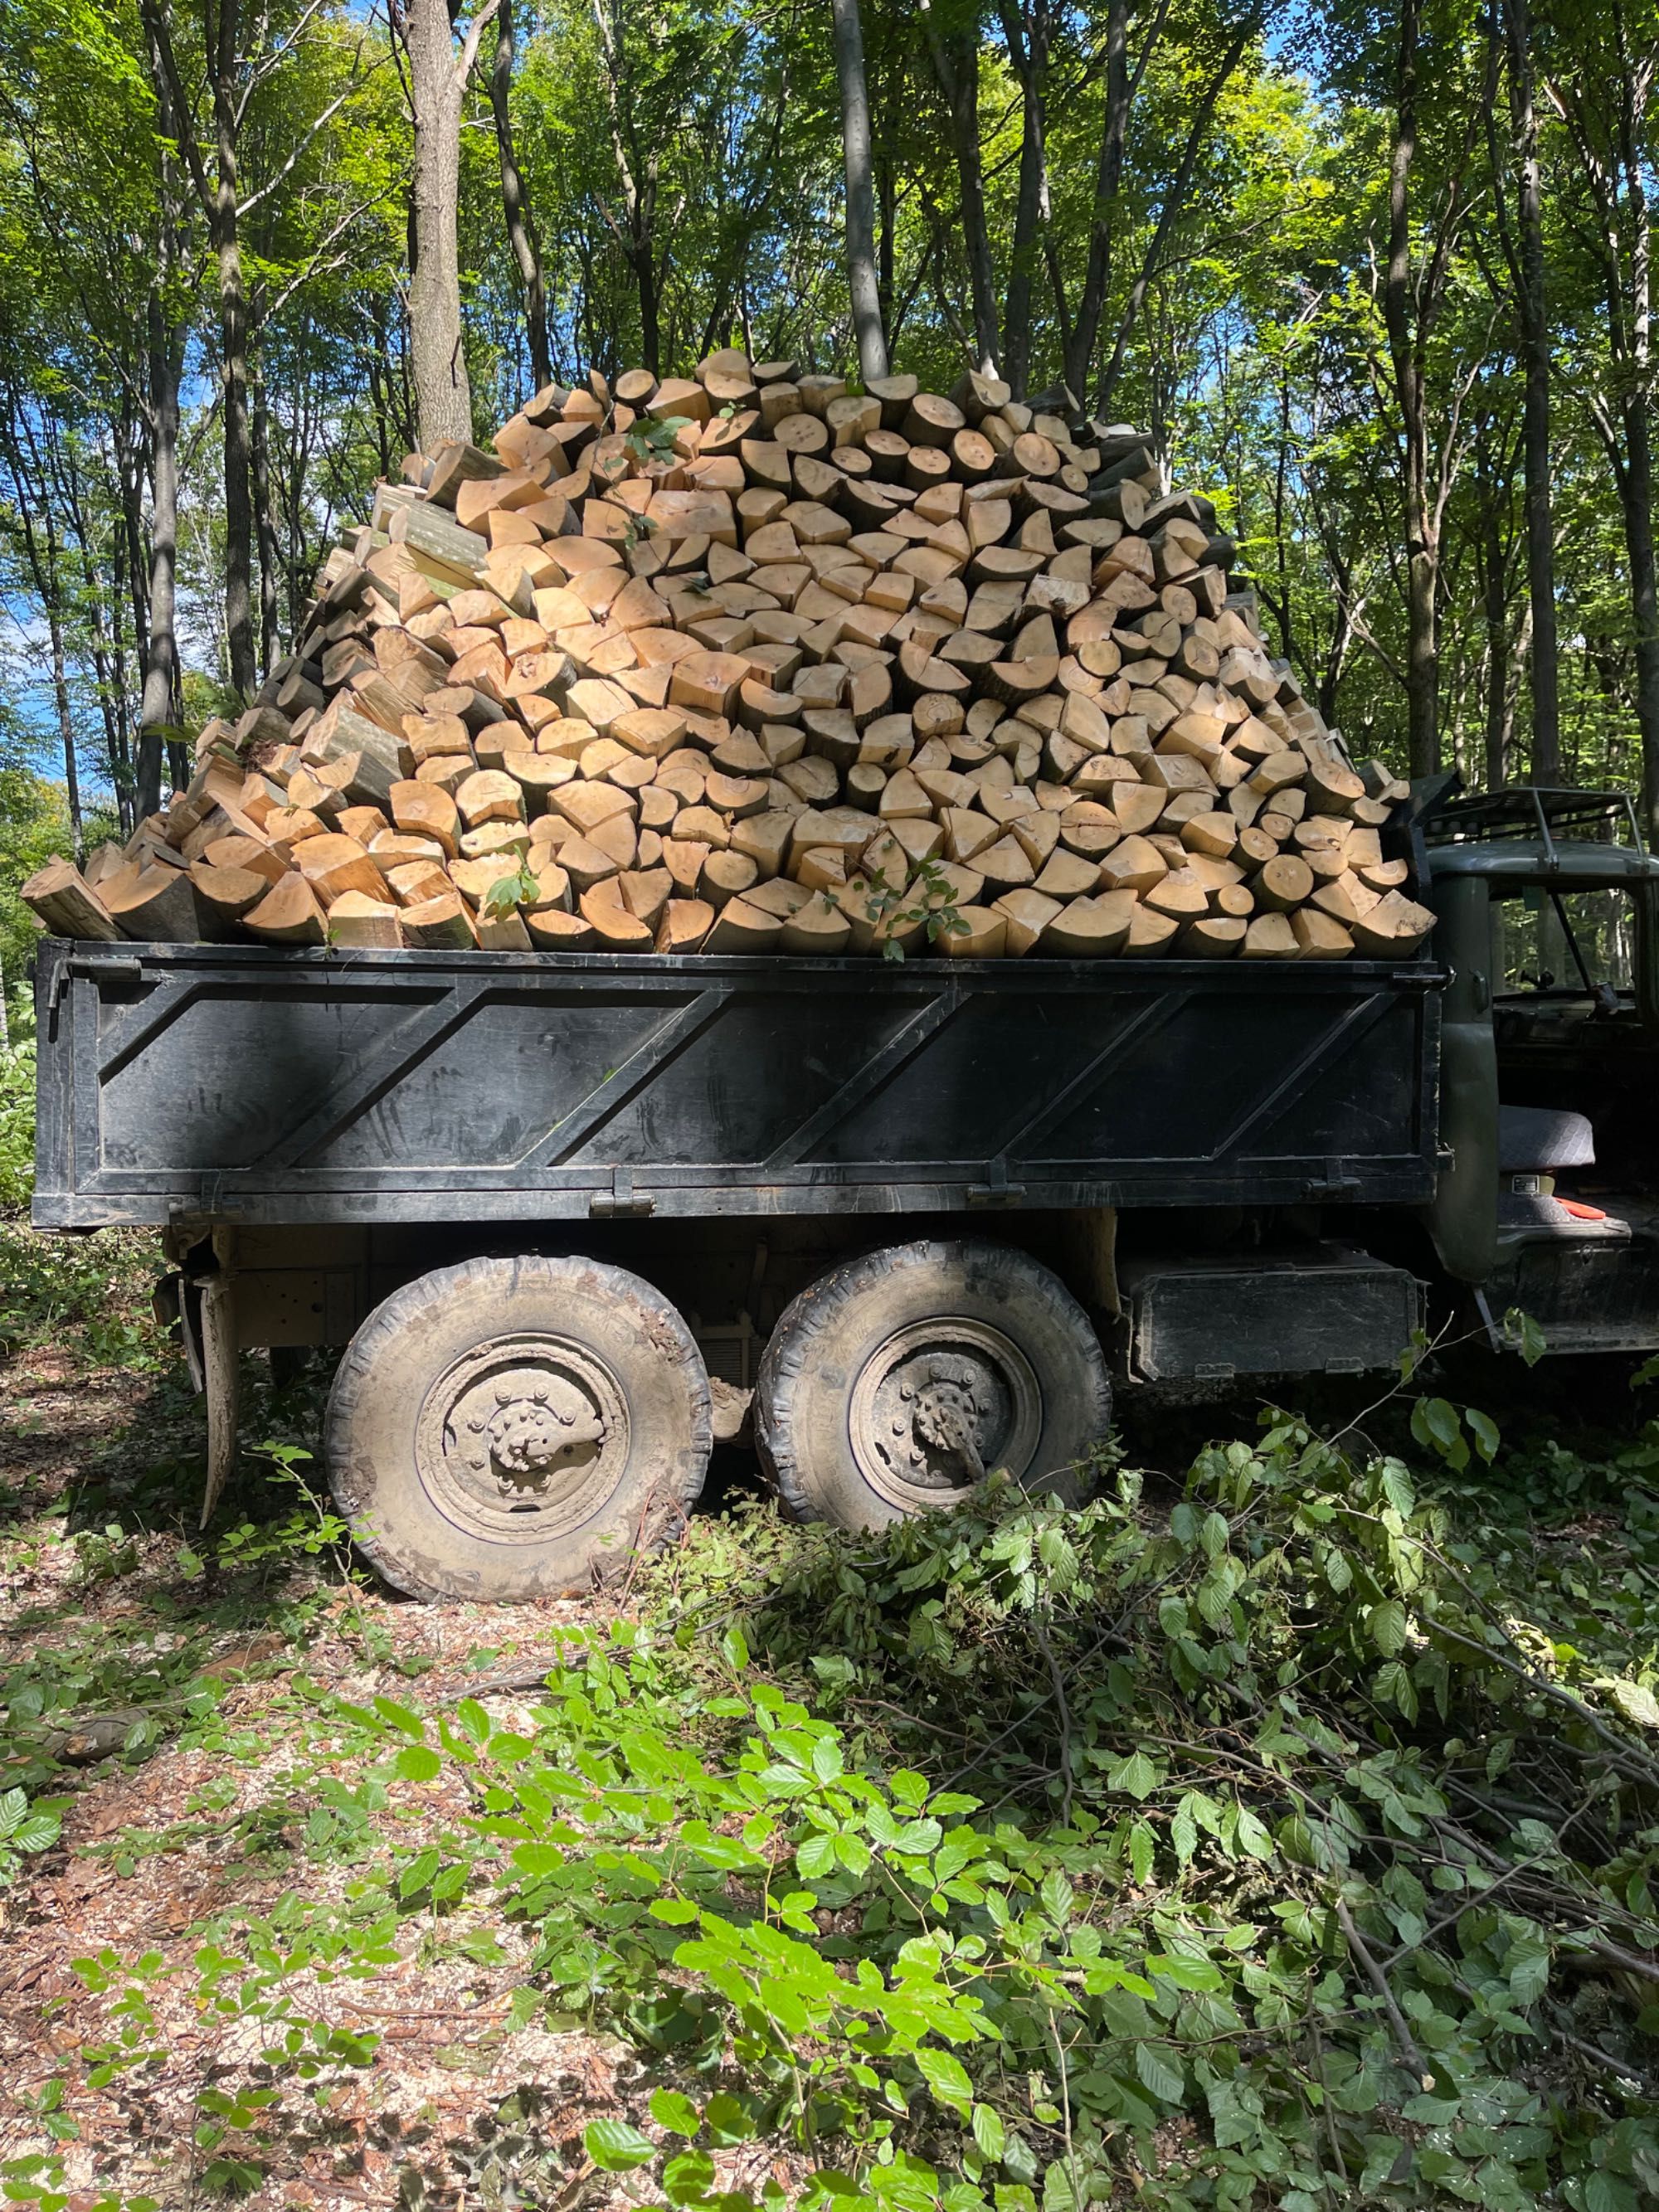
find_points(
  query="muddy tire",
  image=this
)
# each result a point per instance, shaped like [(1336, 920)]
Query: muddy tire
[(510, 1430), (901, 1379)]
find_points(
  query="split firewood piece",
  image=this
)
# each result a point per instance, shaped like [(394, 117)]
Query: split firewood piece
[(226, 894), (1270, 937), (153, 903), (1090, 928), (489, 794), (740, 926), (68, 905), (332, 865), (615, 929), (973, 932), (1214, 937), (1150, 932), (440, 925), (818, 928), (500, 929), (364, 924), (1319, 937), (1028, 914), (289, 914), (1393, 929), (558, 932), (423, 810), (684, 925)]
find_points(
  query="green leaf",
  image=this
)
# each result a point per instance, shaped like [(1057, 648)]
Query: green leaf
[(1388, 1627), (815, 1857), (616, 2147), (947, 2077), (1484, 1429), (676, 1911), (728, 2120), (1136, 1776), (988, 2131), (734, 1648), (400, 1717), (670, 2110), (417, 1762), (1158, 2073), (1522, 1335), (1635, 1701)]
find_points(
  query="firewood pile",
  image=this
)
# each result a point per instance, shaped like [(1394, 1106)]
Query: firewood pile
[(753, 663)]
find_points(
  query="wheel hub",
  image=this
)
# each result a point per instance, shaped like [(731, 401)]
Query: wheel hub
[(522, 1437), (939, 1406)]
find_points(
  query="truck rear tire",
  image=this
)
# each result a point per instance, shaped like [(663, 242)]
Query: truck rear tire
[(509, 1430), (898, 1380)]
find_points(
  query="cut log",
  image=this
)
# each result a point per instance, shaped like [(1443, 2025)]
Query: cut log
[(68, 905), (153, 903), (364, 924), (288, 915), (440, 925)]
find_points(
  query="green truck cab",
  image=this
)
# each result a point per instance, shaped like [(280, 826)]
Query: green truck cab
[(1548, 921)]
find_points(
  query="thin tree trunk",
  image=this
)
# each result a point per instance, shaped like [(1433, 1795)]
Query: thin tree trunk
[(223, 22), (861, 280), (443, 394), (158, 712), (1638, 506), (220, 26), (520, 223), (1423, 671), (1026, 44), (956, 66), (1108, 178), (60, 690), (1496, 656), (264, 522), (1536, 433)]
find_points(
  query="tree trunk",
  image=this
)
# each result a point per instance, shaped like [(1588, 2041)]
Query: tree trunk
[(264, 521), (1423, 670), (520, 223), (443, 395), (956, 66), (1535, 435), (158, 711), (861, 280), (1498, 658), (224, 231), (1636, 502), (1108, 178), (1025, 43), (60, 692)]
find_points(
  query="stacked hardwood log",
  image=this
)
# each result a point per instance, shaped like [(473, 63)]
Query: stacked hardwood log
[(754, 662)]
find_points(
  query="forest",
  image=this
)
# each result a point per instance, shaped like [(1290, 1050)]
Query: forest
[(1376, 277)]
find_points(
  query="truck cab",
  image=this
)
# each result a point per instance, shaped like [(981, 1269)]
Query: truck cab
[(1547, 902)]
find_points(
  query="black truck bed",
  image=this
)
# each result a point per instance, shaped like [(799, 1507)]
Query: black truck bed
[(262, 1086)]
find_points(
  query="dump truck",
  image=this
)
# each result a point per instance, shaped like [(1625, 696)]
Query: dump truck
[(568, 1218)]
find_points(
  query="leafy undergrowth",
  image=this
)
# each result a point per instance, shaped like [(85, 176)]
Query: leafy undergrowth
[(1283, 1839)]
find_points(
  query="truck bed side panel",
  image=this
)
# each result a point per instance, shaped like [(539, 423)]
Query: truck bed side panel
[(261, 1085)]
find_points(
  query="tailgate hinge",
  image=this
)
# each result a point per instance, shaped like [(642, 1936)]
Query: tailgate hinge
[(996, 1189), (622, 1197)]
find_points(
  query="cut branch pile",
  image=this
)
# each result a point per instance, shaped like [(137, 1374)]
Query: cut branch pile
[(754, 663)]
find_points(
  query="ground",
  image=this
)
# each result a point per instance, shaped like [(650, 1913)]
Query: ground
[(107, 1589), (1306, 1855)]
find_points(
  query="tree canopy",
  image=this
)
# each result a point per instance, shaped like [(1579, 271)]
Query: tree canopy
[(1376, 276)]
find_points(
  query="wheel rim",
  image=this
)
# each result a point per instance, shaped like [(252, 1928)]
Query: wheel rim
[(939, 1406), (522, 1438)]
